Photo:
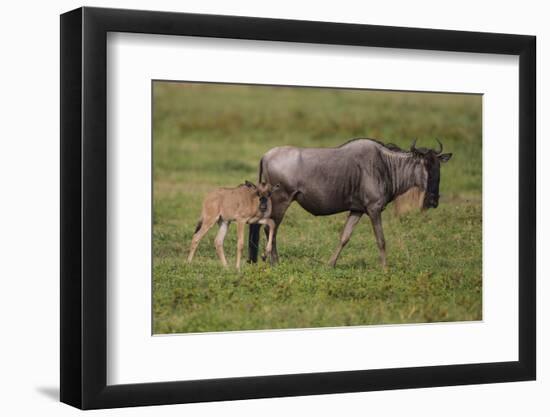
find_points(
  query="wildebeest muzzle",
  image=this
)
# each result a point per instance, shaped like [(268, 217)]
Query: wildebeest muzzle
[(431, 201)]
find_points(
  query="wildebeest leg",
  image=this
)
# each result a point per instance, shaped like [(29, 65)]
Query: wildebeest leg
[(240, 242), (199, 234), (253, 242), (351, 221), (218, 242), (376, 219)]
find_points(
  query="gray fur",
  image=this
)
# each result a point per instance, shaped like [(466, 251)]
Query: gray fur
[(362, 176)]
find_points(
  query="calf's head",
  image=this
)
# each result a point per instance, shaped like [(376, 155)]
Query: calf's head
[(431, 161), (263, 192)]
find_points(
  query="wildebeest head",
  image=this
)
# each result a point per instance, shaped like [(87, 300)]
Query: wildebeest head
[(263, 192), (432, 160)]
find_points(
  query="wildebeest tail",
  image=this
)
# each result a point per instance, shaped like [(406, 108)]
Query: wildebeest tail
[(198, 227), (260, 170)]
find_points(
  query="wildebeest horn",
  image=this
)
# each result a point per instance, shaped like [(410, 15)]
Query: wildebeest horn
[(413, 146), (440, 146)]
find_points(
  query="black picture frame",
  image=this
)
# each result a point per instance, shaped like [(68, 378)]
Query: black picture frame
[(84, 207)]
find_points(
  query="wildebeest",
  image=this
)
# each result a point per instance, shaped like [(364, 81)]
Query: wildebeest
[(247, 203), (360, 176)]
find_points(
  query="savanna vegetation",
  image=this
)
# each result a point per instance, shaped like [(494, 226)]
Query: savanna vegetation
[(207, 135)]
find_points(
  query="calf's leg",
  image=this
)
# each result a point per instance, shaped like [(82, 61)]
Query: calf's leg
[(218, 242), (240, 242), (280, 202), (351, 221), (207, 223), (270, 231)]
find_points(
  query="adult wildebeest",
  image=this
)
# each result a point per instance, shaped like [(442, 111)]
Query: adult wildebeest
[(360, 176), (247, 203)]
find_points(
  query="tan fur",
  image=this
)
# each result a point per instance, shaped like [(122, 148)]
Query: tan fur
[(241, 205), (409, 201)]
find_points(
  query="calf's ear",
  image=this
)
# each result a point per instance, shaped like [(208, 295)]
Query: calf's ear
[(444, 157), (249, 184)]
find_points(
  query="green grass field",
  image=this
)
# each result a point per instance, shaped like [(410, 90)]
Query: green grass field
[(205, 136)]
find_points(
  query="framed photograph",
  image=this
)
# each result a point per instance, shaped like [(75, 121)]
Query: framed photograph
[(259, 208)]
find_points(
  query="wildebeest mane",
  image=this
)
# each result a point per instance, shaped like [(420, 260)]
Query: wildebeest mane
[(390, 146)]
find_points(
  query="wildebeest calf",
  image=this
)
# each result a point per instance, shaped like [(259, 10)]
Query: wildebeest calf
[(245, 204)]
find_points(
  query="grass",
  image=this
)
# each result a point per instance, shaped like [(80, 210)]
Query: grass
[(205, 136)]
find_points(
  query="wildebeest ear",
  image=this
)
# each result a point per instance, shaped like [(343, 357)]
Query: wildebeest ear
[(444, 157), (249, 184)]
